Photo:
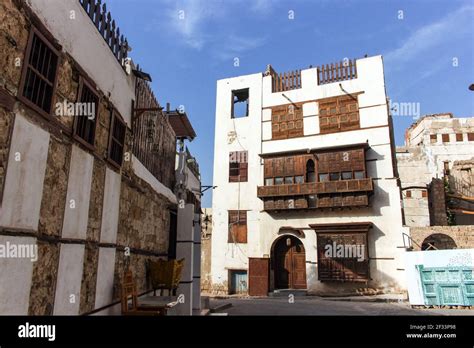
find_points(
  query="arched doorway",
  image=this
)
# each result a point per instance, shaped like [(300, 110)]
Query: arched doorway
[(310, 171), (289, 263), (438, 241)]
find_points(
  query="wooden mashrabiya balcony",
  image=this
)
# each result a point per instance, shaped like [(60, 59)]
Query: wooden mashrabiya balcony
[(316, 195), (310, 188)]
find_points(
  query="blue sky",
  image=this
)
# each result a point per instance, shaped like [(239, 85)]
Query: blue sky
[(428, 50)]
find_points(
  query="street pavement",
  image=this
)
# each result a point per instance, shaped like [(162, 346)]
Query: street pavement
[(313, 305)]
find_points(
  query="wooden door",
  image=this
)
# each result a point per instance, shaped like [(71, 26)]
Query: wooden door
[(258, 276), (290, 264)]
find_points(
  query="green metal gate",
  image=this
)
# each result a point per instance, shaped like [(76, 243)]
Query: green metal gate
[(447, 285)]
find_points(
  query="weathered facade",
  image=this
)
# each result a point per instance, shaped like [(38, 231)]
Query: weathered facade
[(206, 248), (436, 168), (304, 162), (94, 191)]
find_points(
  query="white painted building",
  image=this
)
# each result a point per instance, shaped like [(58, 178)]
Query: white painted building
[(434, 144), (277, 201)]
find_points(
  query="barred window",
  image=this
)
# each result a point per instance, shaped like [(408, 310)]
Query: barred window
[(117, 139), (39, 74), (84, 125)]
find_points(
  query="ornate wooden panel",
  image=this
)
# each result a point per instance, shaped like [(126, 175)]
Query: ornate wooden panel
[(345, 266), (338, 114), (287, 121)]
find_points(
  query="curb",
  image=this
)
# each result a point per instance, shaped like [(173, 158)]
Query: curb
[(221, 307)]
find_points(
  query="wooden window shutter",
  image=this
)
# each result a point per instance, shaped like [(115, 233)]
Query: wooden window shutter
[(238, 166), (237, 226), (268, 168)]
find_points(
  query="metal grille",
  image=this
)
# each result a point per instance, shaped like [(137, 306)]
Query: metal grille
[(117, 140), (40, 74), (85, 126)]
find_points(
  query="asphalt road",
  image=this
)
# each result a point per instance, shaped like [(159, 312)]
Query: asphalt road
[(318, 306)]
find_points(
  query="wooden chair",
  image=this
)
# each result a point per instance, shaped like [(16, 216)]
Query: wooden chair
[(129, 292)]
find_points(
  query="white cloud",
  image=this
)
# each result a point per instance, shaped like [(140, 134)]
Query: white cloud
[(431, 35), (234, 46), (187, 19)]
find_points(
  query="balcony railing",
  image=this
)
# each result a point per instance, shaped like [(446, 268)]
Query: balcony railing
[(346, 70), (342, 186), (283, 82), (106, 26)]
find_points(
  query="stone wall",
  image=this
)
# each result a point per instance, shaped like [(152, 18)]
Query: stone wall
[(143, 223), (463, 236), (437, 203)]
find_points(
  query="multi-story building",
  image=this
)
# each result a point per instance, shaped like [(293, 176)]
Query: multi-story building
[(87, 164), (304, 166), (437, 147)]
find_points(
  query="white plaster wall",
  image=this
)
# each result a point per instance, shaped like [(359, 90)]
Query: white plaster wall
[(232, 196), (105, 277), (194, 183), (110, 208), (15, 279), (78, 190), (432, 258), (197, 267), (23, 191), (374, 136), (81, 39), (141, 171), (71, 262), (185, 249)]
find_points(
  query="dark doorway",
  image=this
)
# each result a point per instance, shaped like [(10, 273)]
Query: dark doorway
[(173, 234), (310, 171), (289, 260), (438, 241)]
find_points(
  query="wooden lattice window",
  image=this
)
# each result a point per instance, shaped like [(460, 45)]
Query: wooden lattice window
[(38, 83), (338, 114), (341, 165), (470, 136), (237, 226), (287, 121), (433, 138), (445, 138), (84, 125), (116, 139), (459, 137), (352, 264), (238, 166)]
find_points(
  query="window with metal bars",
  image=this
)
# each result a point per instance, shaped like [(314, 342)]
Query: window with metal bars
[(39, 74), (84, 126), (238, 166), (116, 139)]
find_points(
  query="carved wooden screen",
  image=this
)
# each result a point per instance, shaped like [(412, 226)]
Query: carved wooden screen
[(352, 264), (287, 121), (338, 114)]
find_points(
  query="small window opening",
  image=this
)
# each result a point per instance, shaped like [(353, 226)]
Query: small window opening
[(240, 103)]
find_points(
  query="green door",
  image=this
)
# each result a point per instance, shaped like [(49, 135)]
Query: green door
[(452, 286)]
